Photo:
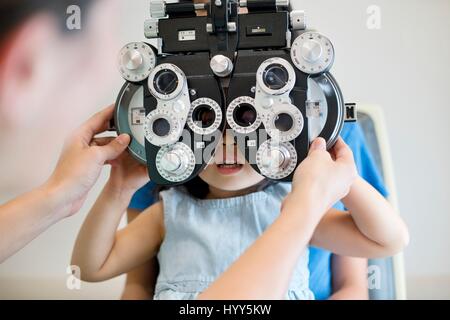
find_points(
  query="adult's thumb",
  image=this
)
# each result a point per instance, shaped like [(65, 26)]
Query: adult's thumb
[(318, 144), (115, 148)]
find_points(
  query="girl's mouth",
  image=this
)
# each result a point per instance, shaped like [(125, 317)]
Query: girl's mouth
[(229, 169)]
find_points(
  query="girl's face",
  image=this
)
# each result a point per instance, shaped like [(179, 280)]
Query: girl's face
[(228, 170)]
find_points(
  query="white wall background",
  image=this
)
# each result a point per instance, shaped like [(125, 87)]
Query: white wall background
[(403, 67)]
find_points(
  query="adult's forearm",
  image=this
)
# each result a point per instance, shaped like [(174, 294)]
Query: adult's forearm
[(265, 269), (26, 217)]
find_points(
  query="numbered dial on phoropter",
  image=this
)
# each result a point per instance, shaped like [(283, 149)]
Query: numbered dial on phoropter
[(205, 116), (284, 122), (312, 53), (176, 162), (162, 127), (136, 61), (166, 81), (275, 76), (275, 79), (242, 115), (276, 160)]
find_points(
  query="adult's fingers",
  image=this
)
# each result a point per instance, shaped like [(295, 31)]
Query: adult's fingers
[(98, 123), (342, 152), (318, 144), (102, 141), (115, 148)]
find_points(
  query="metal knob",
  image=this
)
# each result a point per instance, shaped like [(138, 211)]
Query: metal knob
[(311, 51), (221, 65), (132, 60), (136, 60), (298, 20), (282, 3), (171, 161), (274, 160), (157, 9), (175, 162)]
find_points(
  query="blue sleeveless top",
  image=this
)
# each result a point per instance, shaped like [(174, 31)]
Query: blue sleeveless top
[(204, 237)]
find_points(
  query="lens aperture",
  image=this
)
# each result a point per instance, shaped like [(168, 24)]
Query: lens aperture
[(204, 116), (245, 115), (283, 122), (161, 127), (275, 77), (165, 81)]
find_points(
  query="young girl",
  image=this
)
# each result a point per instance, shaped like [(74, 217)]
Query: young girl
[(240, 237)]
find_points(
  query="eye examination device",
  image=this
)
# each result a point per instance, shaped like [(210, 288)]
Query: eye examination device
[(250, 66)]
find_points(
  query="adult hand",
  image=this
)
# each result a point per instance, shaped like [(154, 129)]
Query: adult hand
[(127, 175), (325, 177), (25, 217), (81, 162)]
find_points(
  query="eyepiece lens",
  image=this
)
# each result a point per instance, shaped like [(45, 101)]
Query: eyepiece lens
[(245, 115), (275, 77), (284, 122), (165, 82), (204, 115), (161, 127)]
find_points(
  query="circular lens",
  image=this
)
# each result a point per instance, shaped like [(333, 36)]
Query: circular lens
[(284, 122), (275, 76), (245, 115), (166, 81), (204, 115), (161, 127)]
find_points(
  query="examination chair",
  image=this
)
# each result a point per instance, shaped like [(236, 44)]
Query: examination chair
[(386, 276)]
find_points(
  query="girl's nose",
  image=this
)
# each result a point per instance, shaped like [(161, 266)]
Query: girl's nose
[(229, 150), (228, 138)]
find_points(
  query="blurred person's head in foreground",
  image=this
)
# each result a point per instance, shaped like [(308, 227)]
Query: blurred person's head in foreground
[(54, 54), (57, 58)]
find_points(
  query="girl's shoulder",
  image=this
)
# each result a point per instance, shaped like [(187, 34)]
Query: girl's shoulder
[(155, 208), (279, 189)]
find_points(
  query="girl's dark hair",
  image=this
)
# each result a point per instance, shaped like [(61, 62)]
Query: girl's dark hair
[(15, 12), (199, 189)]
